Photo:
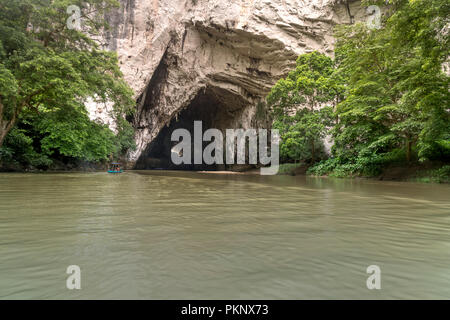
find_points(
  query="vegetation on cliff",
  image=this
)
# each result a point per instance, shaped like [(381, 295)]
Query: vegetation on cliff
[(48, 72), (388, 91)]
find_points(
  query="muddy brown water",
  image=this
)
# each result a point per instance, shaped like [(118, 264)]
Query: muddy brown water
[(187, 235)]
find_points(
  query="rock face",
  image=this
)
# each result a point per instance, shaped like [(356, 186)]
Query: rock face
[(213, 60)]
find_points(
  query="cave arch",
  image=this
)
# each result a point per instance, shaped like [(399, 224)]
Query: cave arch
[(216, 107)]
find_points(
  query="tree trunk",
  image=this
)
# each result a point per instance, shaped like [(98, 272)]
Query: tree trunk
[(2, 134), (6, 125), (408, 150), (5, 128), (313, 151)]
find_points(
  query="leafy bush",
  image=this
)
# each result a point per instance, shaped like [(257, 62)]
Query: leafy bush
[(324, 167), (443, 174), (67, 135), (18, 150)]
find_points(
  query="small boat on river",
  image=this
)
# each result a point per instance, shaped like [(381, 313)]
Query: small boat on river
[(115, 168)]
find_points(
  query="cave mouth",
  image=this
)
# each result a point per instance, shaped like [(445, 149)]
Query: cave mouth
[(215, 107)]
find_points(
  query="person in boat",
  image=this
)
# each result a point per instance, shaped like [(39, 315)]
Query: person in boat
[(115, 167)]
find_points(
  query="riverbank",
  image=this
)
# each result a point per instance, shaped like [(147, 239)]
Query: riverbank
[(422, 173), (430, 172), (57, 166)]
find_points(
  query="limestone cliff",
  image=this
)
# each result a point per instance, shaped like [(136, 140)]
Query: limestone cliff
[(213, 60)]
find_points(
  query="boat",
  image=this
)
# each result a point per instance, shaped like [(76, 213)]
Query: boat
[(115, 168)]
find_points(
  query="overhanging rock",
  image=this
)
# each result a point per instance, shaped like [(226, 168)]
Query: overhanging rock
[(225, 54)]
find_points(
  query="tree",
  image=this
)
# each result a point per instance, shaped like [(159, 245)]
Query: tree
[(389, 86), (299, 105), (397, 95), (422, 27), (47, 67)]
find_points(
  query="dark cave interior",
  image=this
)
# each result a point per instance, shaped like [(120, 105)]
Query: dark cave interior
[(216, 108)]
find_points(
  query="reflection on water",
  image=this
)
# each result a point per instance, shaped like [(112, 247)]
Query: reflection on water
[(186, 235)]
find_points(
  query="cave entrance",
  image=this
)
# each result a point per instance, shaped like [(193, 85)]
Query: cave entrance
[(215, 107)]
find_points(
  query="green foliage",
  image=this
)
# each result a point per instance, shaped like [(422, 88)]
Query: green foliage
[(396, 106), (324, 167), (442, 174), (51, 70), (301, 108), (124, 141), (18, 150), (77, 138)]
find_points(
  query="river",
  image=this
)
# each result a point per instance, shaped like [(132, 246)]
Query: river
[(188, 235)]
